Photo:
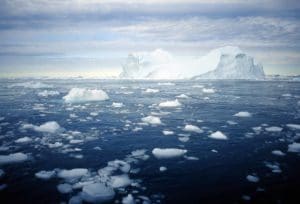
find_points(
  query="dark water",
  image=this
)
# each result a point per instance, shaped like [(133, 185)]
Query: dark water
[(216, 177)]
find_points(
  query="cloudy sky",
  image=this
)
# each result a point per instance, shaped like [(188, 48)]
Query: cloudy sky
[(93, 37)]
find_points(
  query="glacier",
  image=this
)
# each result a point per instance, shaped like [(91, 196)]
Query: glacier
[(227, 62)]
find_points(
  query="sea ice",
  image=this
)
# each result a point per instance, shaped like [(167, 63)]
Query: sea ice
[(128, 199), (48, 127), (151, 90), (13, 158), (273, 129), (73, 173), (182, 96), (218, 135), (168, 153), (294, 147), (170, 104), (47, 93), (204, 90), (294, 126), (243, 114), (23, 140), (97, 193), (78, 95), (120, 181), (162, 168), (278, 153), (64, 188), (45, 175), (168, 132), (252, 178), (117, 105), (192, 128), (153, 120)]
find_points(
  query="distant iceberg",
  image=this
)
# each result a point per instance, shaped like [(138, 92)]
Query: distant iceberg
[(223, 63)]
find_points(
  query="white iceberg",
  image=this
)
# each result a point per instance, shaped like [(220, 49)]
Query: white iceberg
[(97, 193), (273, 129), (47, 127), (153, 120), (13, 158), (78, 95), (73, 173), (243, 114), (192, 128), (218, 135), (170, 104), (120, 181), (168, 153), (117, 105)]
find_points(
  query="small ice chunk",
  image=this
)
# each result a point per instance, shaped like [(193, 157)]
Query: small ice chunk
[(48, 127), (117, 105), (274, 167), (128, 199), (294, 126), (278, 153), (64, 188), (151, 90), (252, 178), (218, 135), (294, 147), (120, 181), (97, 193), (170, 104), (23, 140), (168, 132), (78, 95), (273, 129), (230, 122), (243, 114), (168, 153), (45, 175), (184, 139), (162, 168), (182, 96), (204, 90), (13, 158), (47, 93), (192, 128), (72, 174), (153, 120)]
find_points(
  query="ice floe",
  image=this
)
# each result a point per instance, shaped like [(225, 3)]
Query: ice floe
[(117, 105), (170, 104), (153, 120), (120, 181), (252, 178), (182, 96), (273, 129), (97, 193), (128, 199), (192, 128), (64, 188), (48, 127), (278, 153), (167, 153), (168, 132), (78, 95), (294, 147), (45, 175), (47, 93), (243, 114), (208, 90), (151, 90), (294, 126), (162, 168), (13, 158), (275, 167), (218, 135), (73, 173), (32, 85), (23, 140)]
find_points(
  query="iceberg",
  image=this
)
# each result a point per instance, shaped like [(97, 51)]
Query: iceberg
[(227, 62), (168, 153), (79, 95), (13, 158)]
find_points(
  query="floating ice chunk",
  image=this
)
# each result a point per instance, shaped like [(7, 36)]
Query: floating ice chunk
[(184, 139), (165, 84), (55, 145), (294, 147), (192, 128), (13, 158), (32, 85), (75, 200), (274, 167), (153, 120), (119, 164), (182, 96), (204, 90), (47, 93), (252, 178), (45, 175), (120, 181), (151, 91), (128, 199), (218, 135), (50, 127), (294, 126), (191, 158), (97, 193), (273, 129), (230, 122), (162, 168), (243, 114), (168, 153), (1, 173), (278, 153), (78, 95), (64, 188), (23, 140), (287, 95), (94, 113), (168, 132), (72, 174), (170, 104), (117, 105)]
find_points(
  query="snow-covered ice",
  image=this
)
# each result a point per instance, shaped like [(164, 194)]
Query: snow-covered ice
[(168, 132), (170, 104), (79, 95), (153, 120), (23, 140), (192, 128), (13, 158), (167, 153), (45, 175), (48, 127), (218, 135), (243, 114), (97, 193)]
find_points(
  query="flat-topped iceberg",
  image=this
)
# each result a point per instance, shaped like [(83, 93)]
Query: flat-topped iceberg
[(223, 63)]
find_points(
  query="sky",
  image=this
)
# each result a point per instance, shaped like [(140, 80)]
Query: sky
[(93, 37)]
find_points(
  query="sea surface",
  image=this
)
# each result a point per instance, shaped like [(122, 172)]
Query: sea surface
[(240, 169)]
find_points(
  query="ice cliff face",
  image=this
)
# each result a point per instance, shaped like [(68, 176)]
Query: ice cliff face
[(222, 63)]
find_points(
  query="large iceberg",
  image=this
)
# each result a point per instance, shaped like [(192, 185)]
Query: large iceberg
[(223, 63)]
